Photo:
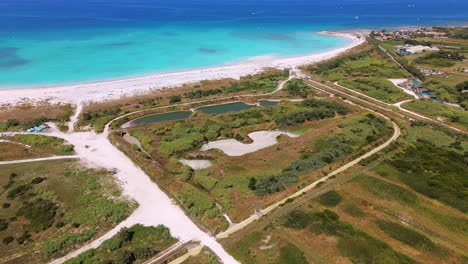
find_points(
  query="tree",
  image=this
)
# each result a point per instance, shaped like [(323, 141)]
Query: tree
[(462, 86)]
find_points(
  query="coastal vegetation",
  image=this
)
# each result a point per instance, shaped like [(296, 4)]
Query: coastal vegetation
[(440, 59), (379, 88), (24, 116), (366, 71), (449, 88), (51, 207), (131, 245), (431, 108), (207, 193), (97, 115), (25, 146), (406, 206)]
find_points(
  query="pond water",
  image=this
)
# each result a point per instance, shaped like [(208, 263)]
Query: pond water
[(163, 117), (225, 108), (212, 110), (268, 103)]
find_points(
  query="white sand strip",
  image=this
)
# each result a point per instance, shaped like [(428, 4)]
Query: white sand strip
[(111, 90), (261, 139), (196, 164)]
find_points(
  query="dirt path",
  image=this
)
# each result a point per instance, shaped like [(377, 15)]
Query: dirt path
[(155, 207), (39, 159)]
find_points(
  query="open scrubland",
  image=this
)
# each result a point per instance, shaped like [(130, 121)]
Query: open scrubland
[(446, 112), (329, 133), (51, 207), (131, 245), (29, 146), (406, 206), (367, 70)]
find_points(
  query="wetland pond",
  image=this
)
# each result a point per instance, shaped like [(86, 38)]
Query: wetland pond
[(212, 110)]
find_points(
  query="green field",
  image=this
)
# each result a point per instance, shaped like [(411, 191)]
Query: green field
[(379, 88), (29, 146), (431, 108)]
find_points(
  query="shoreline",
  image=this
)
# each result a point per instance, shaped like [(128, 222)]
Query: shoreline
[(115, 89)]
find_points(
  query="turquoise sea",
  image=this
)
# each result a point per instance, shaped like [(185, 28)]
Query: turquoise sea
[(52, 42)]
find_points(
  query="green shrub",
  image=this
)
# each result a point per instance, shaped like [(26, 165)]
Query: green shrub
[(7, 240), (197, 202), (330, 198), (23, 238), (67, 148), (434, 172), (143, 253), (297, 220), (379, 88), (292, 254), (66, 240), (124, 257), (175, 99), (112, 244), (180, 145), (40, 213), (354, 244), (353, 210), (386, 191), (18, 191), (408, 236), (100, 209), (6, 205), (297, 87), (203, 179), (37, 180), (3, 224)]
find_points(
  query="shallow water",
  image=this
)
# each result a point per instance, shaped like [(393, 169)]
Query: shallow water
[(162, 117), (225, 108), (56, 42)]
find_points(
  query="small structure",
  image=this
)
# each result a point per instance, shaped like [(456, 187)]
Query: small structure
[(410, 49), (259, 212), (37, 128)]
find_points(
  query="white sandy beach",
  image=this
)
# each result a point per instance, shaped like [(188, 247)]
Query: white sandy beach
[(110, 90)]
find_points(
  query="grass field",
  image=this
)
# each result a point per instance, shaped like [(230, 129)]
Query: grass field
[(51, 207), (448, 113), (379, 88), (33, 146), (445, 86)]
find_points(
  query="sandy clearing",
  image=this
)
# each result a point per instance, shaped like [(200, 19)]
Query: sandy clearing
[(397, 82), (155, 207), (196, 164), (111, 90), (261, 139)]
